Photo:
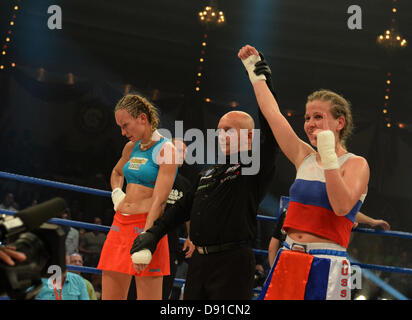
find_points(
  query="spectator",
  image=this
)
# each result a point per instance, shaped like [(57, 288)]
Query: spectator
[(76, 212), (91, 245), (9, 203), (72, 235), (72, 288), (96, 280), (77, 260)]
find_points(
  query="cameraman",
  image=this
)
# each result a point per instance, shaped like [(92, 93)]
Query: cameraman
[(7, 254)]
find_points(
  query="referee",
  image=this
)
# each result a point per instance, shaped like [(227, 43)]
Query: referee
[(222, 212)]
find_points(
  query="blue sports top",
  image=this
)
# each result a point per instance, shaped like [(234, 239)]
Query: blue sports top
[(141, 167)]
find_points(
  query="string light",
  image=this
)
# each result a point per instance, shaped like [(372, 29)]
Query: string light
[(8, 40), (391, 40), (210, 17)]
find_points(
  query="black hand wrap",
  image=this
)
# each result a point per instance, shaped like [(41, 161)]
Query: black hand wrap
[(262, 67), (146, 240)]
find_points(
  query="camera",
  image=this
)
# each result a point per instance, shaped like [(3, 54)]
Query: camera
[(42, 243)]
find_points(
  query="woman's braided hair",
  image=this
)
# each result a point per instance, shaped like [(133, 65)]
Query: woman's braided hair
[(136, 105)]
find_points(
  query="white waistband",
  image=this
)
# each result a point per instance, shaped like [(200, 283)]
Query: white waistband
[(315, 245)]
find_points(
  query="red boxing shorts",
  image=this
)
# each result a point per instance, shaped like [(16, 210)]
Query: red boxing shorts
[(115, 255)]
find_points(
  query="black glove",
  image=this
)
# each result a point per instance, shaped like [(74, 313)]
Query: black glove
[(262, 67), (146, 240)]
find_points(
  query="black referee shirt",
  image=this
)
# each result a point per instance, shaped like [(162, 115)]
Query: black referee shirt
[(181, 187), (224, 204)]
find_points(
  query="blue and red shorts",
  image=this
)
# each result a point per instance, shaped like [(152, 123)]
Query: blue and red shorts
[(309, 271)]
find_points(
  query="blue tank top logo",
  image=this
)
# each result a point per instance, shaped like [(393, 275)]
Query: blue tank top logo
[(135, 163)]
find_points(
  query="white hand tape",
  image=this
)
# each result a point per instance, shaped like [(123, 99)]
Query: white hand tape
[(249, 64), (326, 149), (117, 197), (142, 257)]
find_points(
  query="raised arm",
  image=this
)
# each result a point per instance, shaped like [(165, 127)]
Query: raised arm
[(291, 145)]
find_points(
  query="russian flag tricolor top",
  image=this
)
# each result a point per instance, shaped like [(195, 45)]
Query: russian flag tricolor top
[(309, 207)]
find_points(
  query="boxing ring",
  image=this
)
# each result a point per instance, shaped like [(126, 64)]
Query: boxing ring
[(366, 268)]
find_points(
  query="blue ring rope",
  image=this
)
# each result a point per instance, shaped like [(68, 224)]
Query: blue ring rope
[(78, 224), (98, 192), (54, 184), (91, 226)]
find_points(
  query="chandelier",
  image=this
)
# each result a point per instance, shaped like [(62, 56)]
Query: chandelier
[(391, 39), (211, 16)]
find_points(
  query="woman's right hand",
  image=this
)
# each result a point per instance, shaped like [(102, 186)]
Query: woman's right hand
[(117, 197), (247, 51)]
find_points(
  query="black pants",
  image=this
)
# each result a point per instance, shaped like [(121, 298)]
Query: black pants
[(168, 280), (226, 275)]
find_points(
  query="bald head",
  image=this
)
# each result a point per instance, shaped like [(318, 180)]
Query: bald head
[(238, 120), (236, 126)]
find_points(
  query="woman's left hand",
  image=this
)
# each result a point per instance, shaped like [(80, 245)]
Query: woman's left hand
[(139, 267)]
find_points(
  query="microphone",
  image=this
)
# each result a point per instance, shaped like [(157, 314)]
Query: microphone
[(31, 218)]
